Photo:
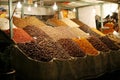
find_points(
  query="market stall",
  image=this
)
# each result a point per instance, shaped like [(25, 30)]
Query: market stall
[(59, 49)]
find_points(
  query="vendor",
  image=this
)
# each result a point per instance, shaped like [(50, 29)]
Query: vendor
[(116, 27), (98, 22), (2, 12)]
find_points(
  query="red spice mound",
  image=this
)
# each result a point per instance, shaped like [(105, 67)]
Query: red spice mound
[(20, 36)]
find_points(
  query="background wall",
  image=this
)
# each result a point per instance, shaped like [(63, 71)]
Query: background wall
[(87, 14)]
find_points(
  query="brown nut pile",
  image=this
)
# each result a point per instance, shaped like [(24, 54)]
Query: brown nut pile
[(109, 43), (98, 44), (72, 48)]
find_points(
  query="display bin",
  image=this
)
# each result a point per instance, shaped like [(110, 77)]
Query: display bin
[(114, 60), (74, 69)]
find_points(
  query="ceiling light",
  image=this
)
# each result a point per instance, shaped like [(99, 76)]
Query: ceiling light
[(74, 10), (55, 7), (19, 5), (29, 8), (35, 4)]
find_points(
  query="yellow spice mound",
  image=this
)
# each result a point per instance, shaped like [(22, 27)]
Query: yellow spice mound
[(86, 46)]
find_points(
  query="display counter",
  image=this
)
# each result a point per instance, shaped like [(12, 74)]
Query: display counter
[(74, 69)]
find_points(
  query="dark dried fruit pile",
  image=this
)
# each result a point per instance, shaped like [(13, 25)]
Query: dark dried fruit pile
[(34, 51), (72, 47), (36, 33), (86, 28), (109, 43), (47, 44), (93, 33), (98, 44)]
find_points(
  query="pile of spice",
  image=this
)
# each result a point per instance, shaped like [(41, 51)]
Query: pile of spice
[(97, 31), (109, 43), (72, 48), (78, 32), (21, 23), (93, 33), (65, 31), (53, 33), (4, 24), (78, 22), (86, 46), (69, 22), (31, 20), (56, 22), (47, 44), (98, 44), (71, 32), (19, 35)]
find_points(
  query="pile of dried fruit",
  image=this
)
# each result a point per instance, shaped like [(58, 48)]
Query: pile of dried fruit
[(98, 44), (109, 43), (87, 29), (34, 51), (72, 48), (78, 22), (47, 44)]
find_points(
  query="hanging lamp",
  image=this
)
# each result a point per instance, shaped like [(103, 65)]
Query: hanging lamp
[(35, 4), (55, 7), (19, 5)]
